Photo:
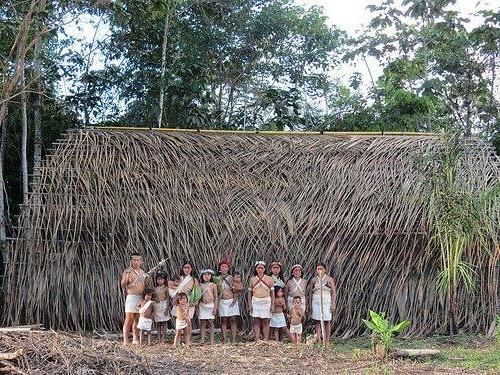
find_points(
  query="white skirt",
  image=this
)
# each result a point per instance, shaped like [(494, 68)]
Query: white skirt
[(145, 324), (180, 324), (225, 310), (278, 320), (131, 303), (161, 312), (297, 328), (206, 311), (261, 307), (316, 307), (289, 303)]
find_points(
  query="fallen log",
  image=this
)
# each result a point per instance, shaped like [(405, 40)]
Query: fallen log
[(415, 353), (9, 356)]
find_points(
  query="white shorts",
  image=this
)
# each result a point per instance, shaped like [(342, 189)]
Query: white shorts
[(297, 329), (225, 310), (131, 303), (206, 311), (161, 312), (261, 307), (316, 307), (277, 320), (145, 324), (180, 324)]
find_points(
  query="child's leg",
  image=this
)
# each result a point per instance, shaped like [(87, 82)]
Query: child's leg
[(328, 331), (298, 338), (234, 327), (292, 337), (177, 337), (265, 328), (256, 329), (223, 327), (203, 330), (317, 326), (275, 333), (211, 327), (141, 336), (149, 337)]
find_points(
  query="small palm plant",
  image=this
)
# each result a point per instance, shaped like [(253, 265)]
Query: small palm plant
[(383, 332)]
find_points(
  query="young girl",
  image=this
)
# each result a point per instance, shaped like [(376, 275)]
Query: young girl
[(296, 315), (183, 320), (146, 309), (207, 307), (278, 322), (172, 292), (236, 287), (229, 308), (162, 313), (276, 272)]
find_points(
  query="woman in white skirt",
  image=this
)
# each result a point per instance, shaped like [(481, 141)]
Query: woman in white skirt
[(261, 300), (323, 302), (296, 287)]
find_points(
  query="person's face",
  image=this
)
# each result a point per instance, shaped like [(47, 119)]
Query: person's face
[(207, 277), (297, 272), (224, 269), (320, 270), (147, 297), (182, 300), (296, 303), (237, 278), (275, 269), (160, 281), (177, 282), (136, 262), (260, 269), (280, 293), (187, 269)]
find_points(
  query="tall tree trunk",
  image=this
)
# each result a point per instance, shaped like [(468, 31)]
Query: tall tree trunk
[(3, 136), (37, 71), (24, 136), (163, 65)]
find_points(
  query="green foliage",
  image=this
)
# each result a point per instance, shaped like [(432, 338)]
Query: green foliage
[(382, 331), (460, 216)]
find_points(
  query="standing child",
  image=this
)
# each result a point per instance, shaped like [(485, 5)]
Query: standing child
[(278, 322), (296, 315), (207, 307), (236, 287), (146, 310), (182, 321), (172, 292), (162, 313)]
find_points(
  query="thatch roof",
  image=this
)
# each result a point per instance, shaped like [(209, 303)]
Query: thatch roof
[(356, 202)]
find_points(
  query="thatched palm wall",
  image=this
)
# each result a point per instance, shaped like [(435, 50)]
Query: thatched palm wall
[(357, 203)]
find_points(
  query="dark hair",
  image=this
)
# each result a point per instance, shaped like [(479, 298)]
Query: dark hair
[(179, 296), (193, 273), (321, 264), (280, 275), (236, 273), (291, 273), (162, 275), (203, 281), (255, 269), (297, 297), (148, 291), (277, 288), (176, 277)]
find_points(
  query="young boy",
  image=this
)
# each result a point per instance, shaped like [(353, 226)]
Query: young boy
[(172, 292), (296, 315), (236, 287), (162, 313), (146, 311), (182, 321)]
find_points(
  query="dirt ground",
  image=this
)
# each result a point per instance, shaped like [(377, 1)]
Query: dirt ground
[(48, 352)]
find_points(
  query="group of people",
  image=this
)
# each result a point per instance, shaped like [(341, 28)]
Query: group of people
[(277, 307)]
